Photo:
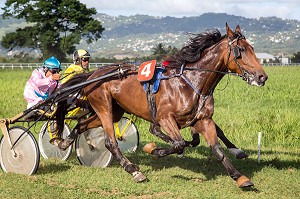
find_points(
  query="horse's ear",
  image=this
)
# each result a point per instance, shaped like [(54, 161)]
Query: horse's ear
[(229, 31), (238, 29)]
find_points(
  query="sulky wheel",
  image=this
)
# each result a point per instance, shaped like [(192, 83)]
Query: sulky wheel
[(47, 149), (91, 150), (128, 141), (24, 157)]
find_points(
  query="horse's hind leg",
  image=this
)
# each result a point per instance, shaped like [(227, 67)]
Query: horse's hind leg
[(238, 153), (208, 129), (104, 106), (91, 122), (112, 145)]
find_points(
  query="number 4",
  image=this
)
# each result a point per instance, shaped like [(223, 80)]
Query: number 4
[(146, 70)]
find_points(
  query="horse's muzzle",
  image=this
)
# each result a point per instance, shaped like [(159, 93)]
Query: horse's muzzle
[(255, 80)]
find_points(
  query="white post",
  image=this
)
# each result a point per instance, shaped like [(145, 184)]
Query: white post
[(258, 147)]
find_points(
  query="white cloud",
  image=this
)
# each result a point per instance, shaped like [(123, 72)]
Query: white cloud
[(287, 9)]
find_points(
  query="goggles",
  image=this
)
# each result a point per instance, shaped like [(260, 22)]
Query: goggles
[(54, 71), (85, 59)]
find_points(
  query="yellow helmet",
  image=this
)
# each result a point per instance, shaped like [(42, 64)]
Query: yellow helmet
[(80, 54)]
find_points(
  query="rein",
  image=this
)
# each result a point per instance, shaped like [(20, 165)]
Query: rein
[(208, 70)]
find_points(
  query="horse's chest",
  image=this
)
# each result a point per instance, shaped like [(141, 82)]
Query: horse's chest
[(202, 108), (207, 109)]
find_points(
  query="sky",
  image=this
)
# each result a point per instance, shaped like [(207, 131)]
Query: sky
[(286, 9)]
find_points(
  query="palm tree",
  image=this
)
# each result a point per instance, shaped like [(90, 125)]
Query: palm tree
[(160, 51)]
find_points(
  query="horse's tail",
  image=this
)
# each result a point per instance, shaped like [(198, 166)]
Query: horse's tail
[(60, 115)]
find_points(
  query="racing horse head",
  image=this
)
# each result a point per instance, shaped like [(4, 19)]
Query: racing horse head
[(242, 60)]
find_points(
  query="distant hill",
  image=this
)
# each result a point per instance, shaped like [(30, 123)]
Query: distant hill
[(130, 36)]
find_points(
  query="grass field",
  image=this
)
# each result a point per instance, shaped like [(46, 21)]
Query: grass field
[(240, 110)]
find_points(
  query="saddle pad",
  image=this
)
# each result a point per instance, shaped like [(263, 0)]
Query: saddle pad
[(146, 71)]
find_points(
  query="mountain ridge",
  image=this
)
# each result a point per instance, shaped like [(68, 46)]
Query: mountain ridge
[(136, 35)]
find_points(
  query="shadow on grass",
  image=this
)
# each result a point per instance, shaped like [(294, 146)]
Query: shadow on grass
[(206, 163), (52, 168), (53, 165), (198, 160)]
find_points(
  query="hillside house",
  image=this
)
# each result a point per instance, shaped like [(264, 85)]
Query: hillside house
[(265, 57)]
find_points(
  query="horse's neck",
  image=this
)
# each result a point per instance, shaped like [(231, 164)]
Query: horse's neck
[(212, 62)]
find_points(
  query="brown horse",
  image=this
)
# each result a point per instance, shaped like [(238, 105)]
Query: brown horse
[(185, 97)]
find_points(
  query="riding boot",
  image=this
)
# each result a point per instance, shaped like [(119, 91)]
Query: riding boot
[(68, 141)]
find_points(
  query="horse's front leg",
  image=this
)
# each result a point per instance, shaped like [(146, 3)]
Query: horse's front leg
[(238, 153), (195, 138), (207, 128), (175, 139), (155, 130)]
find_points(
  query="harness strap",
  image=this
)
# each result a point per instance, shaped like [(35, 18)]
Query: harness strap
[(188, 81), (191, 85)]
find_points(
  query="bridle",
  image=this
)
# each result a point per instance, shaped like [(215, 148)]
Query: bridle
[(236, 52)]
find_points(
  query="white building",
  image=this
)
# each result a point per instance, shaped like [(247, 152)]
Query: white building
[(264, 57), (285, 60)]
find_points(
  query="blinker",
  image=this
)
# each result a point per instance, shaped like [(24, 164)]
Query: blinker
[(236, 52)]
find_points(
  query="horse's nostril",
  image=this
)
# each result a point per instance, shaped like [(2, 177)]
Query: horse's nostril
[(263, 78)]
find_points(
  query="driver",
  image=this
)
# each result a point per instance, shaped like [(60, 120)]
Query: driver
[(80, 64), (43, 82)]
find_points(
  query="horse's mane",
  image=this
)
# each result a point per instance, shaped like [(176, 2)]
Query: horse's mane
[(193, 49)]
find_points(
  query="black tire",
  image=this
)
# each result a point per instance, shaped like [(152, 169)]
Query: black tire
[(26, 158), (47, 149)]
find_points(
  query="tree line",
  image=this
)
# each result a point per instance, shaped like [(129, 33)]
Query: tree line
[(55, 28)]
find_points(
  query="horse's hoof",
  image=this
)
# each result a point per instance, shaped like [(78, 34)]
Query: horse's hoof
[(243, 182), (149, 148), (138, 176), (55, 141), (180, 155), (241, 155), (238, 153)]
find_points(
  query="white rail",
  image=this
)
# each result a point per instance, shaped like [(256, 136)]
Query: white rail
[(97, 65), (36, 65)]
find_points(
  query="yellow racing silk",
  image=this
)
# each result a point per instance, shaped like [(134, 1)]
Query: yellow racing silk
[(71, 71)]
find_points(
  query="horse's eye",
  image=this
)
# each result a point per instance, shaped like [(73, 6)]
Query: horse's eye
[(242, 48)]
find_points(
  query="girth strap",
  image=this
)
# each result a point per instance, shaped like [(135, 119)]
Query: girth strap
[(151, 103)]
